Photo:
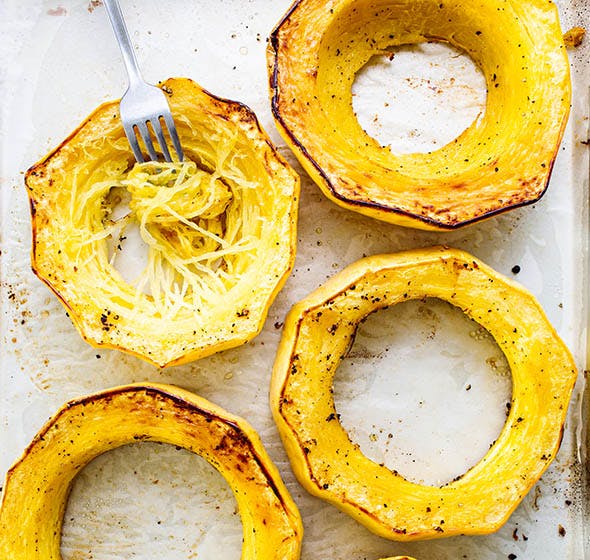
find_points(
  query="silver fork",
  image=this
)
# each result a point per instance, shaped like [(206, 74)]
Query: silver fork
[(142, 104)]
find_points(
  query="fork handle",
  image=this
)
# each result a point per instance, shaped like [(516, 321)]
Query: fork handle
[(122, 35)]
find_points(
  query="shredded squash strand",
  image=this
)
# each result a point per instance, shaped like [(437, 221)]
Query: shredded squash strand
[(194, 222)]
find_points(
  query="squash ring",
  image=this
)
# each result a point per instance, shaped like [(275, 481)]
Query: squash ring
[(502, 161), (36, 489), (317, 334), (213, 298)]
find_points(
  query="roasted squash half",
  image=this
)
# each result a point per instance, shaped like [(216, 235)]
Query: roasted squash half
[(220, 230), (317, 334), (37, 486), (503, 160)]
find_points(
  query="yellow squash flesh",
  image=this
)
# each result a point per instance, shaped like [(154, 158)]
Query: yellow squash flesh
[(503, 160), (220, 230), (37, 486), (319, 331)]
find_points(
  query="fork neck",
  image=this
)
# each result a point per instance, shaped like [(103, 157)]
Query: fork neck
[(122, 36)]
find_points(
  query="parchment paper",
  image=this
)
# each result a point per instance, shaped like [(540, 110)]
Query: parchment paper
[(409, 370)]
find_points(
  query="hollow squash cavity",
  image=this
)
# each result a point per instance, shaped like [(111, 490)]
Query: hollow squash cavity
[(37, 486), (318, 332), (503, 160)]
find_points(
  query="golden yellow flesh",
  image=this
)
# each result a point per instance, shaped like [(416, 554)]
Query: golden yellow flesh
[(192, 230), (318, 332), (220, 230), (37, 486), (502, 160)]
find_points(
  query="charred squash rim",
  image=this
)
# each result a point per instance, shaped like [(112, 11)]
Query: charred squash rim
[(338, 187), (319, 331), (34, 499)]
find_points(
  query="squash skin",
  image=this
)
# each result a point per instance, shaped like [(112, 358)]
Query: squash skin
[(318, 333), (37, 486), (502, 161), (241, 315)]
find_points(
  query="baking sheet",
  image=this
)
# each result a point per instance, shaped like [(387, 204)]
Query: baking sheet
[(408, 371)]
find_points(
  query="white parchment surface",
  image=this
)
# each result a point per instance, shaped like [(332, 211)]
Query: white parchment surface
[(408, 372)]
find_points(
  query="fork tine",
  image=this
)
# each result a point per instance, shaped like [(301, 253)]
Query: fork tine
[(174, 135), (142, 104), (132, 138), (157, 126), (144, 132)]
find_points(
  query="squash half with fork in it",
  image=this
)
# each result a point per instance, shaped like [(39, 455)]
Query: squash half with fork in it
[(220, 230)]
